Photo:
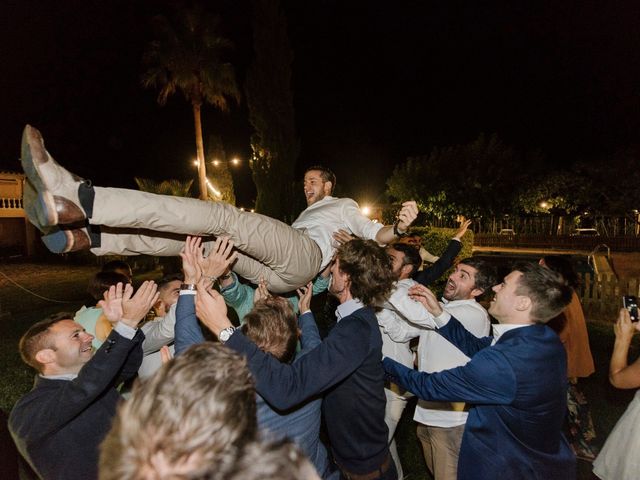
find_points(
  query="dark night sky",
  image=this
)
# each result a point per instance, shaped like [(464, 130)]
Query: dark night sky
[(374, 82)]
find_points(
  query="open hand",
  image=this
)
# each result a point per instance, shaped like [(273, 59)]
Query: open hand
[(261, 292), (462, 230), (342, 236), (136, 307), (220, 258), (190, 255)]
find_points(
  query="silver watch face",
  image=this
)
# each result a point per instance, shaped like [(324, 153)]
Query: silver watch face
[(226, 334)]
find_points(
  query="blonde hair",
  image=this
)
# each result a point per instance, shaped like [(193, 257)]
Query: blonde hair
[(189, 420)]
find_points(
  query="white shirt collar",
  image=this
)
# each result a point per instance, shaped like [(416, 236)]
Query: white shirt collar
[(348, 307), (62, 376), (500, 329)]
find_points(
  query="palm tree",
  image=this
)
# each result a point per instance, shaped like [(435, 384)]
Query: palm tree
[(186, 55), (177, 188)]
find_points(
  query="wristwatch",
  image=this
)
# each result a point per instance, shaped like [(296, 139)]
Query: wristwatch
[(397, 232), (188, 286), (225, 334)]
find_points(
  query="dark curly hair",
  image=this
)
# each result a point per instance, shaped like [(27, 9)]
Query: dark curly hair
[(369, 270)]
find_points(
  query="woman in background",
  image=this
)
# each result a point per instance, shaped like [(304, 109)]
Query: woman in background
[(620, 455), (571, 327)]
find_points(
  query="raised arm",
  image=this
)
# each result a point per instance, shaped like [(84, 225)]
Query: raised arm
[(621, 374), (435, 271), (406, 216)]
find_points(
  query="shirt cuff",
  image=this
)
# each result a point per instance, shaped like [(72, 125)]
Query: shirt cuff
[(442, 319), (188, 292), (305, 312), (125, 330), (457, 239)]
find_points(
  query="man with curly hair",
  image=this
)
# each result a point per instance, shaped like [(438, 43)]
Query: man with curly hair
[(345, 367)]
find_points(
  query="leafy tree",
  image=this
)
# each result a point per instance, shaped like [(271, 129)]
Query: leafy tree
[(564, 192), (473, 179), (177, 188), (187, 55), (270, 101)]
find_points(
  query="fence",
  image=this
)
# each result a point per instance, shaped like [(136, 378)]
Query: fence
[(562, 242), (601, 296)]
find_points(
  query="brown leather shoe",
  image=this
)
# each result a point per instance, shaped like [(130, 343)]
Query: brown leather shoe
[(67, 240), (57, 200)]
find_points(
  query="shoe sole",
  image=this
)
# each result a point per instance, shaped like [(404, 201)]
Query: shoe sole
[(32, 147), (50, 209), (64, 241)]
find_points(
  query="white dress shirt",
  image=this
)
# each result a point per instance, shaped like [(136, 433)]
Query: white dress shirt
[(405, 319), (329, 215)]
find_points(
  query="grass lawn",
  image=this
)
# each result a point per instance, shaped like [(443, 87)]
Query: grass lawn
[(62, 282)]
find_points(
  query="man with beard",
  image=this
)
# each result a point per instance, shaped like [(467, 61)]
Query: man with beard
[(440, 424), (515, 381), (76, 215)]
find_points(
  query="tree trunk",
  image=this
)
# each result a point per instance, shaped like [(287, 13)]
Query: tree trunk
[(202, 169)]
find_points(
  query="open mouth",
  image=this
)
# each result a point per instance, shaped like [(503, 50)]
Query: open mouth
[(86, 349)]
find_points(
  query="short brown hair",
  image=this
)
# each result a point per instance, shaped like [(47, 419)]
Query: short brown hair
[(194, 413), (326, 174), (101, 282), (548, 290), (369, 269), (38, 338), (273, 327)]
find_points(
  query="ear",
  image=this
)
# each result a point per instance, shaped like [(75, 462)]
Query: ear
[(327, 187), (406, 270), (45, 356), (523, 303), (476, 292)]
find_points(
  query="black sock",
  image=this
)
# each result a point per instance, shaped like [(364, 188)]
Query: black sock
[(94, 234), (86, 194)]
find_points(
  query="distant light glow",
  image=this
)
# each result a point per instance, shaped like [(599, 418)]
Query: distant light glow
[(216, 162), (235, 161), (242, 209), (366, 210), (544, 205), (196, 163), (215, 191), (253, 211)]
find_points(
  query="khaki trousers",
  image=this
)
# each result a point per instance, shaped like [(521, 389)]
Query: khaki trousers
[(441, 447), (392, 414), (157, 224)]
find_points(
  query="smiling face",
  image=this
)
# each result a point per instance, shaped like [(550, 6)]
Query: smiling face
[(71, 348), (507, 306), (461, 284), (315, 187)]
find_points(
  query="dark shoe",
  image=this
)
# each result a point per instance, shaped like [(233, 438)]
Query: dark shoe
[(64, 241), (57, 199)]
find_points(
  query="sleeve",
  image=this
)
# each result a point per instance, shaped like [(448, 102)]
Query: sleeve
[(487, 379), (435, 271), (56, 408), (239, 296), (284, 385), (188, 331), (395, 327), (411, 310), (462, 338), (359, 224), (309, 337), (159, 332)]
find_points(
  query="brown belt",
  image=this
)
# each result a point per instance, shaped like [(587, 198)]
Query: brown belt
[(381, 470)]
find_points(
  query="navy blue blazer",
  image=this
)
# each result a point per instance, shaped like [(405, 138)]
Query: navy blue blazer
[(59, 424), (518, 393)]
